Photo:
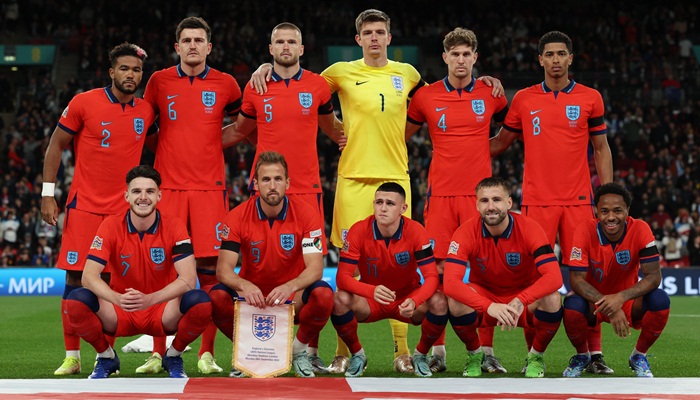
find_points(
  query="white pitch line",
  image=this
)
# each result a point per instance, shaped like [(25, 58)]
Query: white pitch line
[(664, 386)]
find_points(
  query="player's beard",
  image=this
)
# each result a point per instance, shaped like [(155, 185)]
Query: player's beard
[(124, 90), (289, 62), (493, 220), (272, 201)]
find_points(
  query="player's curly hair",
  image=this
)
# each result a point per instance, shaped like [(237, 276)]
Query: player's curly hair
[(613, 188), (143, 171), (460, 36), (126, 49), (192, 23), (372, 15), (555, 37)]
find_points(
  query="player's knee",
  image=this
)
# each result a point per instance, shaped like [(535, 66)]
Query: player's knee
[(86, 297), (550, 302), (437, 304), (576, 303), (656, 300), (193, 298), (222, 294), (319, 292), (341, 302)]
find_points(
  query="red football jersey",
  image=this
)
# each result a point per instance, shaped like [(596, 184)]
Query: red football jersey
[(272, 250), (459, 121), (519, 263), (612, 267), (143, 261), (556, 128), (108, 140), (287, 122), (191, 113), (393, 262)]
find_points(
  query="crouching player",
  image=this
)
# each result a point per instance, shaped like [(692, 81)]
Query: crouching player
[(606, 256), (280, 241), (152, 289), (388, 249), (514, 278)]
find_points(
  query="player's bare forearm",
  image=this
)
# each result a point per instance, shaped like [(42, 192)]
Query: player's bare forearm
[(650, 281), (500, 143), (92, 281), (583, 288), (225, 264), (312, 273), (603, 158)]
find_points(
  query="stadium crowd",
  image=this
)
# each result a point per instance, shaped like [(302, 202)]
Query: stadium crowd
[(639, 57)]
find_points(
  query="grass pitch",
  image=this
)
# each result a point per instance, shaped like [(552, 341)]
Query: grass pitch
[(32, 345)]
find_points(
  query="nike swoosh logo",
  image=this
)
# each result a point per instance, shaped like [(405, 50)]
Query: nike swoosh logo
[(534, 112), (256, 243), (171, 97), (358, 83), (595, 262), (438, 109), (105, 123), (268, 99), (481, 259), (217, 247), (125, 256)]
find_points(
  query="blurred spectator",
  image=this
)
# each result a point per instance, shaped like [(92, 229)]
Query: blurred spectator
[(673, 246)]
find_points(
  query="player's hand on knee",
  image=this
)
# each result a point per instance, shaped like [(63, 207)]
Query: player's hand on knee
[(384, 295)]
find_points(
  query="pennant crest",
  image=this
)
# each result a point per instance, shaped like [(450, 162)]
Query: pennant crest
[(263, 326)]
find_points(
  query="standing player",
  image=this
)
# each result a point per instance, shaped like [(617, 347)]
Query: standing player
[(556, 119), (153, 279), (606, 256), (280, 241), (287, 118), (373, 93), (109, 125), (389, 249), (514, 278), (191, 100), (458, 111)]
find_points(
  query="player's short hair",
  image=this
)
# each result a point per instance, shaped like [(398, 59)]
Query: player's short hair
[(494, 181), (126, 49), (392, 187), (192, 23), (288, 26), (269, 158), (372, 15), (458, 37), (613, 188), (143, 171), (555, 37)]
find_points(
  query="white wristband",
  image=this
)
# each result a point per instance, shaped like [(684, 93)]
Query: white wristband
[(48, 189)]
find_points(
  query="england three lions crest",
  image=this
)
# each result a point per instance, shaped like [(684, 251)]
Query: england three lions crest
[(287, 241), (479, 107), (306, 99), (623, 257), (513, 259), (157, 255), (139, 125), (397, 82), (208, 98), (402, 258), (573, 112), (264, 326), (72, 257)]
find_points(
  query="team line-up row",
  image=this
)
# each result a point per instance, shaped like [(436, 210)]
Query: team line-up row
[(555, 118)]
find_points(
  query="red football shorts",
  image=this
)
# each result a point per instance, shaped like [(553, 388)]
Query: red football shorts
[(79, 229), (148, 321), (203, 212), (443, 215), (563, 220)]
